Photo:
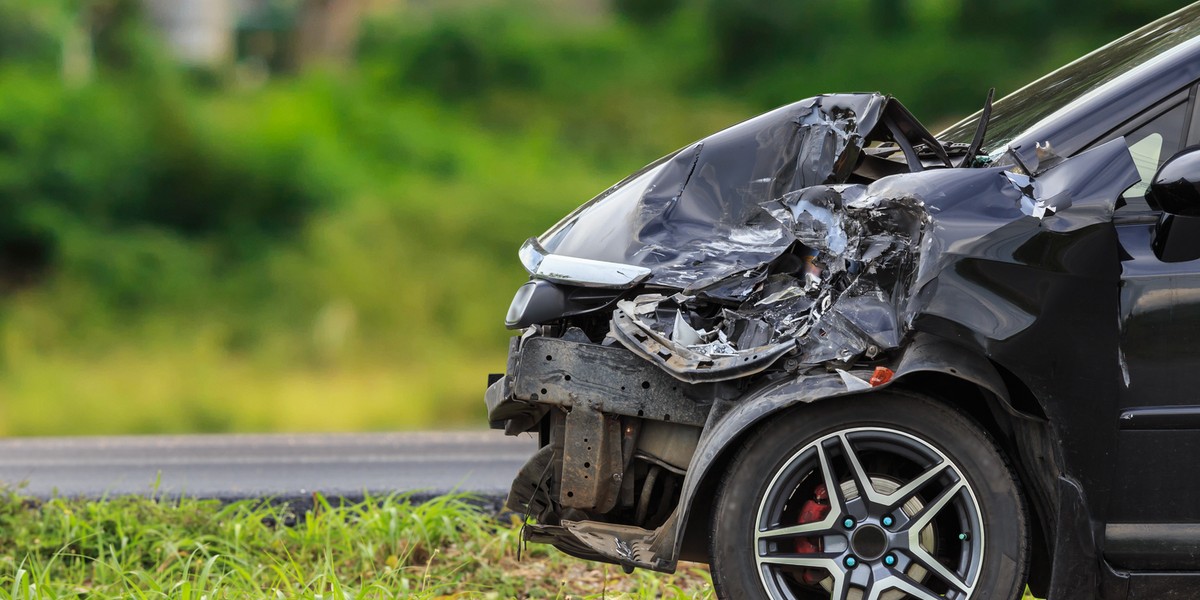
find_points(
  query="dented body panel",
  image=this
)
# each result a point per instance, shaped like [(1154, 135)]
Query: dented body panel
[(831, 249)]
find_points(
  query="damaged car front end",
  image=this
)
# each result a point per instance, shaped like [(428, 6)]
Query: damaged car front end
[(829, 352)]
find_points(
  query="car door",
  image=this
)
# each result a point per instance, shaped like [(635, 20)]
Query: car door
[(1153, 520)]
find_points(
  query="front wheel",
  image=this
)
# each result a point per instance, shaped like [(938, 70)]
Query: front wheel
[(885, 497)]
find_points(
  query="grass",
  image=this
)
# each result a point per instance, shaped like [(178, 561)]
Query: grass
[(382, 548), (448, 547)]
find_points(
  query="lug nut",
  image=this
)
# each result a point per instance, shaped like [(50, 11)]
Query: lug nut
[(889, 560), (964, 536), (848, 523), (888, 521), (851, 562)]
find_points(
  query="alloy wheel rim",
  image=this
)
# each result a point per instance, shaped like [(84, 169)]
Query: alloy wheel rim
[(903, 521)]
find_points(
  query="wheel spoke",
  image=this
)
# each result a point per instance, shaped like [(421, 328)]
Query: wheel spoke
[(903, 584), (919, 523), (832, 486), (823, 527), (840, 591), (812, 561), (902, 495), (866, 491), (931, 510), (923, 558), (826, 562)]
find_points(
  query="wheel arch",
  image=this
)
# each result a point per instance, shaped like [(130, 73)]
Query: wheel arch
[(942, 370)]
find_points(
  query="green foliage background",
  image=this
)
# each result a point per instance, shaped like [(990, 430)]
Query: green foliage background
[(334, 248)]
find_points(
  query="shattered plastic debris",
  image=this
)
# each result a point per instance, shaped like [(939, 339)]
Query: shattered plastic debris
[(683, 333), (830, 226), (1046, 156), (881, 376), (785, 294), (837, 299), (853, 383), (1033, 203), (720, 347)]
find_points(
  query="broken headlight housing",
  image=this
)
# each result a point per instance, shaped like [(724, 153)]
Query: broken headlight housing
[(538, 302), (535, 302)]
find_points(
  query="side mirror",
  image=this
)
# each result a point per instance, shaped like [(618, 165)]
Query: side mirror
[(1176, 186), (1176, 190)]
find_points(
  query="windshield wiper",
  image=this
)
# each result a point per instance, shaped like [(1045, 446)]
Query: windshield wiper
[(980, 131)]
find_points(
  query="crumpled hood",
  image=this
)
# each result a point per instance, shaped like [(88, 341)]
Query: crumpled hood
[(697, 215), (799, 234)]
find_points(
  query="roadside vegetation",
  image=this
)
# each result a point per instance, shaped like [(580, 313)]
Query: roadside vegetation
[(255, 247), (445, 548), (382, 548)]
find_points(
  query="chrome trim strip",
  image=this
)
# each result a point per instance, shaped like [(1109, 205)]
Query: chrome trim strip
[(582, 272)]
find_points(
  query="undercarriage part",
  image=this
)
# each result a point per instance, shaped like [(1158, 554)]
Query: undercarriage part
[(643, 506), (670, 443), (668, 498), (531, 492), (624, 544), (559, 537), (592, 469)]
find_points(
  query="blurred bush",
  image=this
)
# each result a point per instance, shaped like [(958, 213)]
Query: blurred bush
[(206, 248)]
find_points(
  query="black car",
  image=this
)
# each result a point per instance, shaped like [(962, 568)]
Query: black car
[(837, 356)]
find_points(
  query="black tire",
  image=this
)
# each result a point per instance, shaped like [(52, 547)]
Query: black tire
[(777, 473)]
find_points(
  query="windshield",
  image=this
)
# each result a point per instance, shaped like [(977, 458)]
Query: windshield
[(1020, 110)]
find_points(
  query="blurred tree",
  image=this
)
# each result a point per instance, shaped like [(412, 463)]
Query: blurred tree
[(749, 34), (890, 18), (1019, 22), (327, 31), (28, 35), (119, 36), (646, 12), (459, 57)]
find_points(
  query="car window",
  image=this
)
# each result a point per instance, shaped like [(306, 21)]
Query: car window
[(1153, 143), (1024, 108)]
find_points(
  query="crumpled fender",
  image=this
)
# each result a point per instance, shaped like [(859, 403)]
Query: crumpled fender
[(924, 354)]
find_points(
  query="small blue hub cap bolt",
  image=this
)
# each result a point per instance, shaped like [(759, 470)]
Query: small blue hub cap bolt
[(851, 562), (964, 536), (888, 521), (889, 560), (848, 523)]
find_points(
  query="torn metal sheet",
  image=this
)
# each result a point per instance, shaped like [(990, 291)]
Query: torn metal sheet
[(697, 215), (783, 246), (863, 255)]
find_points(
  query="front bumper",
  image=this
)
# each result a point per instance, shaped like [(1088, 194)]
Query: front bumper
[(546, 372), (504, 410)]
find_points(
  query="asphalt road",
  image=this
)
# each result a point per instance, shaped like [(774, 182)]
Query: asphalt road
[(284, 467)]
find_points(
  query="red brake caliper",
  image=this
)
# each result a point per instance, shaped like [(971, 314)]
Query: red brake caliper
[(813, 510)]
